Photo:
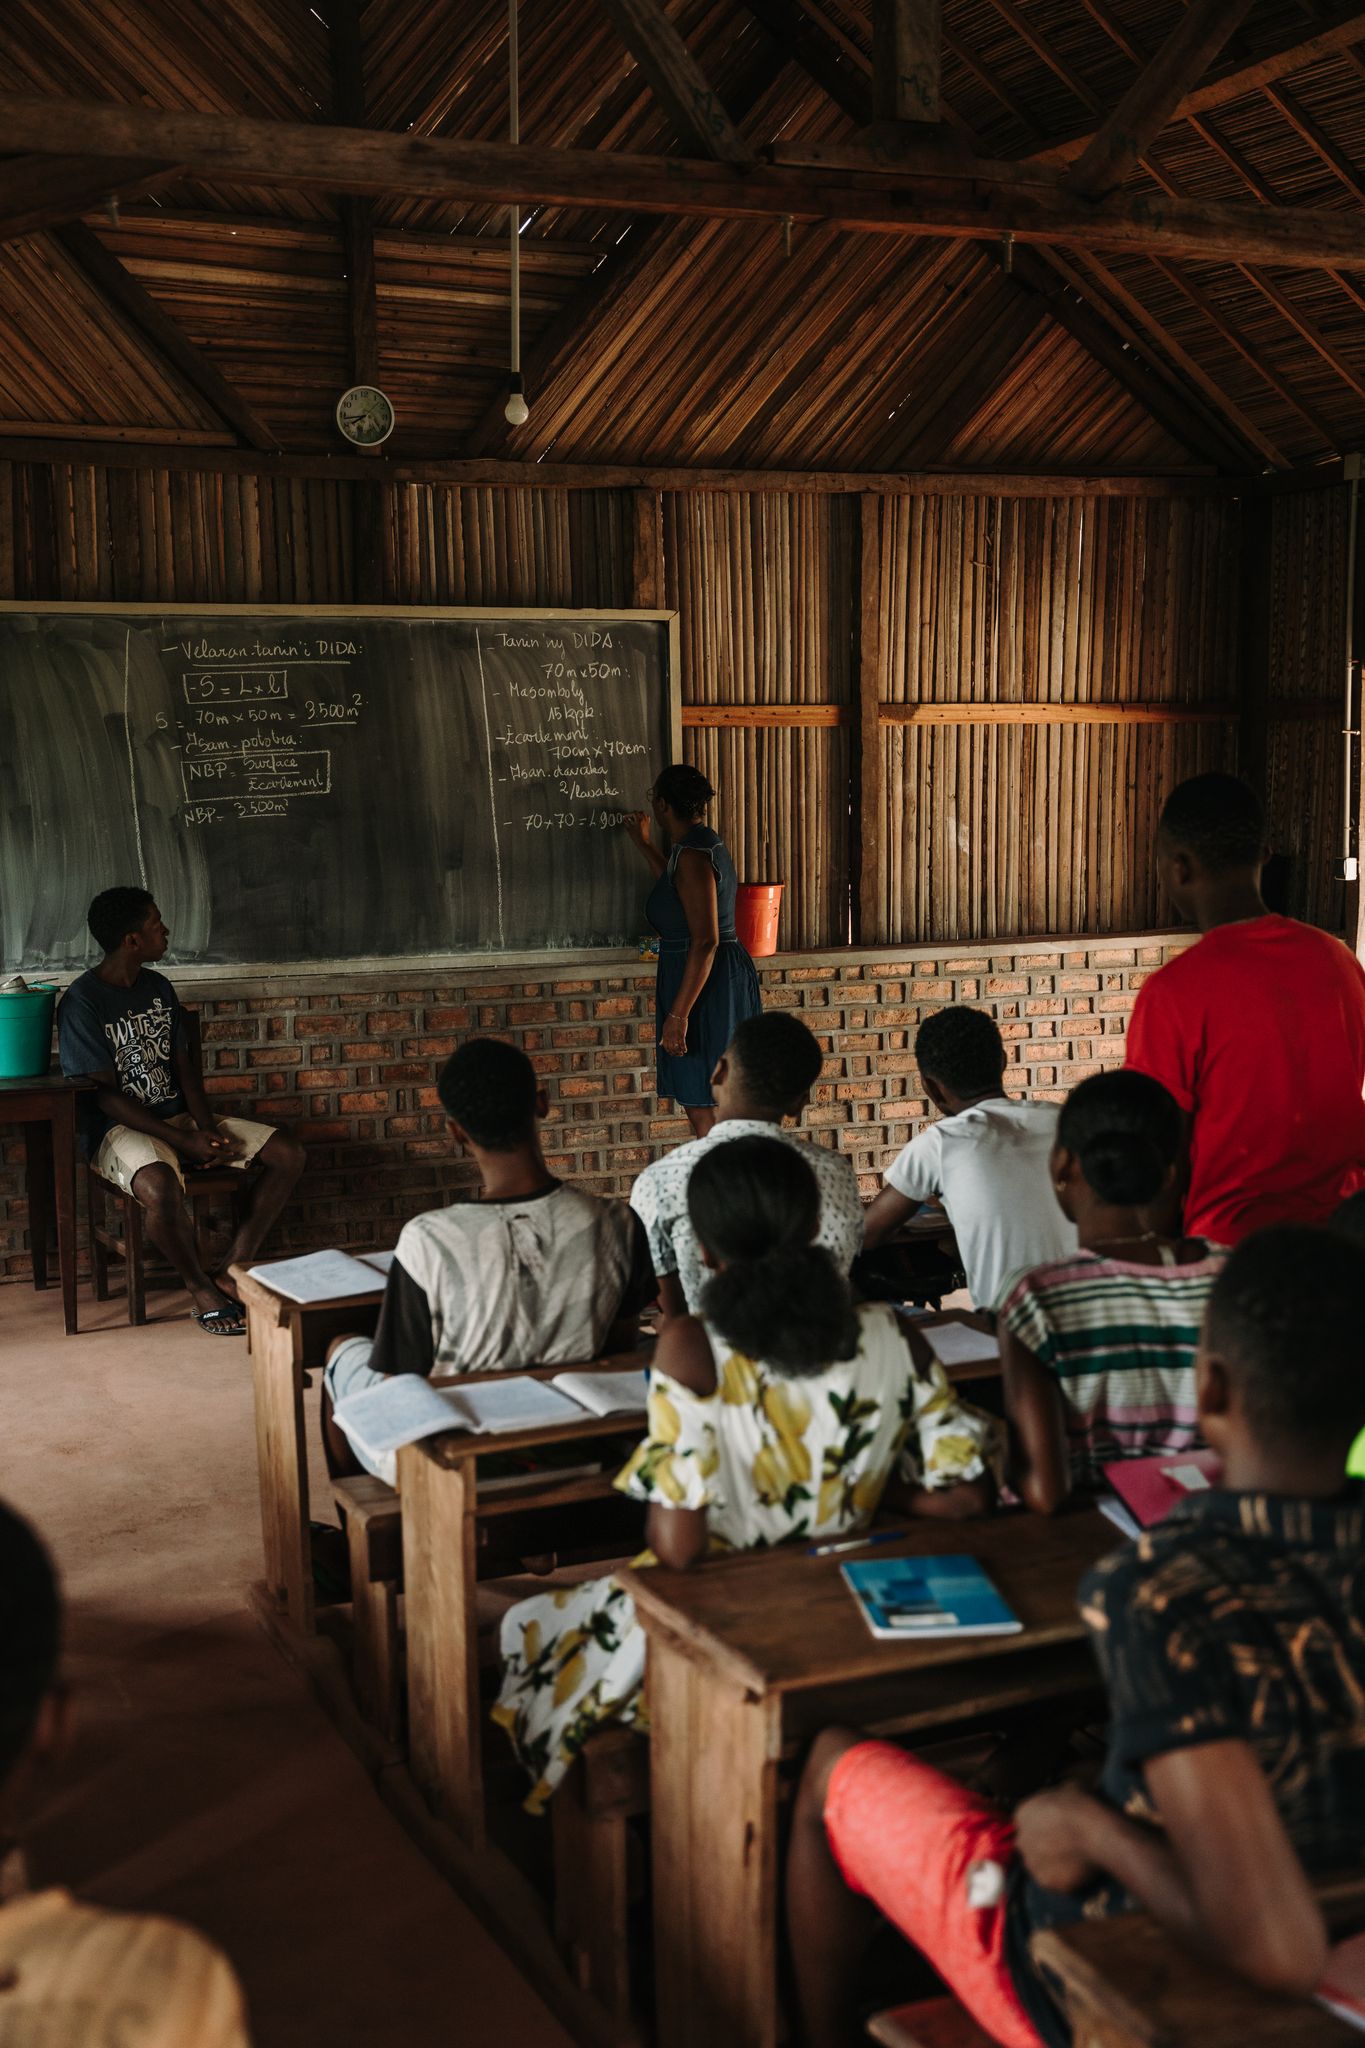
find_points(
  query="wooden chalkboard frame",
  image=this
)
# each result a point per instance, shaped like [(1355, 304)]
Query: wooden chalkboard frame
[(274, 971)]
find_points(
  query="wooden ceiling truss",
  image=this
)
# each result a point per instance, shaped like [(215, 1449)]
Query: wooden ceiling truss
[(1097, 232)]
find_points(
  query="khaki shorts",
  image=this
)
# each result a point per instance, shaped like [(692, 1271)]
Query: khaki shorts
[(125, 1152)]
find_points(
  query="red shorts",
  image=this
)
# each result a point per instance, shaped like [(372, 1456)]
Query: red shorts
[(906, 1837)]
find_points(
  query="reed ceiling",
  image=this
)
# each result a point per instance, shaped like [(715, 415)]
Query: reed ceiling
[(687, 341)]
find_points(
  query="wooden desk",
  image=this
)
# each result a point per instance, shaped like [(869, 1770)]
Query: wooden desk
[(46, 1107), (438, 1486), (750, 1656), (1126, 1984), (286, 1339)]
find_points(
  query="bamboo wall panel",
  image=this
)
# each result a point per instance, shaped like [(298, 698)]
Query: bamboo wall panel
[(988, 831), (995, 828), (764, 588), (783, 809), (1308, 659)]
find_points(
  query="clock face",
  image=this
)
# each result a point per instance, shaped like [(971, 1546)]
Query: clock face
[(365, 415)]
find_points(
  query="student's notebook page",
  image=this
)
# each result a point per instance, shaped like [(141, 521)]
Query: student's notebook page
[(960, 1344), (321, 1276), (404, 1408), (605, 1393)]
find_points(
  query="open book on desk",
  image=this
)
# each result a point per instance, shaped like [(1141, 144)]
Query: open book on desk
[(405, 1407), (325, 1276)]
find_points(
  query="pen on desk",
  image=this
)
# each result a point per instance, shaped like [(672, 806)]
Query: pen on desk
[(856, 1543)]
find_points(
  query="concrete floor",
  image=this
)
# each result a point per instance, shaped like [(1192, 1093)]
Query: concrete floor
[(206, 1783)]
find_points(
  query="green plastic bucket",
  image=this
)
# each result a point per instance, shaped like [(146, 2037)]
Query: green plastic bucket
[(26, 1032)]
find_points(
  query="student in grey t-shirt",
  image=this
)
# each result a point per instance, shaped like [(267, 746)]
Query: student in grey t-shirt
[(149, 1123), (532, 1272), (987, 1158), (765, 1074)]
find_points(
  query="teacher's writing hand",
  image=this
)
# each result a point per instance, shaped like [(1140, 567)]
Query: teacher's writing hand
[(673, 1037), (638, 826)]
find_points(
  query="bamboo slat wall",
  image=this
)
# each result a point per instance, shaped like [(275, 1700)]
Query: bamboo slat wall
[(764, 587), (1019, 827), (1001, 612), (1308, 659)]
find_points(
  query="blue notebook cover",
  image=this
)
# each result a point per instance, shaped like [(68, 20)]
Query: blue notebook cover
[(925, 1597)]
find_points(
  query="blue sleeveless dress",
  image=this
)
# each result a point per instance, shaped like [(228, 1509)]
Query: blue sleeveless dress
[(731, 993)]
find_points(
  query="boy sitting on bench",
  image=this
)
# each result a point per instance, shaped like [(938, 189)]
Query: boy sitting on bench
[(1230, 1642), (120, 1024), (531, 1272)]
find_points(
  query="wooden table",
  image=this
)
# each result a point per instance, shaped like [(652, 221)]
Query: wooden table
[(751, 1656), (288, 1339), (1126, 1984), (438, 1485), (46, 1107)]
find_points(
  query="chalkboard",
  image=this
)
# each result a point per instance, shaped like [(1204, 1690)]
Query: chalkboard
[(310, 785)]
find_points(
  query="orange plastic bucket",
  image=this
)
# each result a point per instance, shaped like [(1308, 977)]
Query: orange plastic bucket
[(756, 910)]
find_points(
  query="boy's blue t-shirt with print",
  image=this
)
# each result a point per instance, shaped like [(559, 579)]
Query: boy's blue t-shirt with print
[(133, 1030)]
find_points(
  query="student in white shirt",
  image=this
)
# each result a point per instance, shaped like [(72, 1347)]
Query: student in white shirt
[(72, 1975), (766, 1073), (986, 1158)]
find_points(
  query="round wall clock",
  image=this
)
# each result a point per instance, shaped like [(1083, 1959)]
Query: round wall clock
[(365, 415)]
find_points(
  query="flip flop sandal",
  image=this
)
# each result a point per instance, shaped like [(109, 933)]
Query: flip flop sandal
[(220, 1322)]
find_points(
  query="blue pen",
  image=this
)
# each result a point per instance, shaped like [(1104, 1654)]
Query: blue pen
[(856, 1543)]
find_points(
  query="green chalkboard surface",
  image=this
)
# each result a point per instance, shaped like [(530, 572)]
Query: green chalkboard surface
[(306, 785)]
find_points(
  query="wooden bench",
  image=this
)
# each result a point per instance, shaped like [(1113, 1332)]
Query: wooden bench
[(932, 2023), (590, 1812), (372, 1517)]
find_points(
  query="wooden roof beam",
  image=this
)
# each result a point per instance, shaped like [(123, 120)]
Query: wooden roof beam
[(606, 288), (907, 58), (886, 200), (122, 290), (1154, 94), (38, 191), (1112, 286), (1040, 271), (1253, 76), (677, 80), (19, 446)]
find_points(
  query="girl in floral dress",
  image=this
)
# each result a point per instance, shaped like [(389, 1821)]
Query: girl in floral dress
[(780, 1412)]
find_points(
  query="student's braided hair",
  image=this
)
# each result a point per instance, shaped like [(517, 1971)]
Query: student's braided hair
[(755, 1207), (1124, 1130)]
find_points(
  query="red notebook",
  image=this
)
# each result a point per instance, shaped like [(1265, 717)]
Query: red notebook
[(1342, 1989), (1149, 1491)]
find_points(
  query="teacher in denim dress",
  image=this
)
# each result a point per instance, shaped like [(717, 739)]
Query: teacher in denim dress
[(706, 983)]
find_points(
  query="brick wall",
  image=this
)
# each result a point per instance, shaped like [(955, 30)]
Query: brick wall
[(352, 1068)]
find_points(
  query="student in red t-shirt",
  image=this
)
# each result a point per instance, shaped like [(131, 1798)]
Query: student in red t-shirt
[(1258, 1031)]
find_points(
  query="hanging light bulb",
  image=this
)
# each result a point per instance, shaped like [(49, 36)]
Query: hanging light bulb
[(516, 411)]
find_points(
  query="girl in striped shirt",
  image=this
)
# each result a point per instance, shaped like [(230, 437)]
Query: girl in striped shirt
[(1097, 1349)]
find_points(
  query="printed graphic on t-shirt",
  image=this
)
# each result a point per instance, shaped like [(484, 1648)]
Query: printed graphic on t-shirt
[(142, 1052)]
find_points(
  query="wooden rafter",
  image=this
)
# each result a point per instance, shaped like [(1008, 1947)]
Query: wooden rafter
[(1155, 93), (907, 58), (1318, 140), (677, 80), (842, 73), (880, 201), (601, 297), (1250, 77), (122, 290), (357, 214), (602, 476), (1260, 187), (1113, 287), (38, 191)]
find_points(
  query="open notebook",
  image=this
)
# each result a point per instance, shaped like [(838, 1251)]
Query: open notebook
[(325, 1276), (406, 1408)]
